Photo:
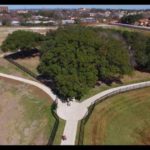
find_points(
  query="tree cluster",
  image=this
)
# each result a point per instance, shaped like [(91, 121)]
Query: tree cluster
[(140, 48), (23, 40), (76, 57), (131, 19)]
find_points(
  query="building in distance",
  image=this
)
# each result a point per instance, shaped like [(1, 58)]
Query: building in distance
[(3, 9), (68, 21), (22, 11)]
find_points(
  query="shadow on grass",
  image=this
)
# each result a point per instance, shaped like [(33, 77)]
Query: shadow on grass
[(109, 81), (24, 54)]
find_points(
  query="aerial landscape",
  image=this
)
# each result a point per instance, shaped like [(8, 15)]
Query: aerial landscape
[(74, 75)]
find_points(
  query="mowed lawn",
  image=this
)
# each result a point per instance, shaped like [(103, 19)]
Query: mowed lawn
[(25, 114), (123, 119)]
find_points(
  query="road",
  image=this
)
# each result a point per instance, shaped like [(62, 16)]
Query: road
[(130, 26), (76, 111), (116, 25)]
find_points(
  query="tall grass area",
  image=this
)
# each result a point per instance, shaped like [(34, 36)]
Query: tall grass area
[(120, 120)]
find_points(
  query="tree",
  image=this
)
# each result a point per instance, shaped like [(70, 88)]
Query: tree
[(131, 19), (23, 40), (140, 48), (75, 57), (69, 59), (113, 59)]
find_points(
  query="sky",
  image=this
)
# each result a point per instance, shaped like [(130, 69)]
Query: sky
[(78, 6)]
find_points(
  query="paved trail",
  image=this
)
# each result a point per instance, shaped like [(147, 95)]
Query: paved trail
[(72, 114)]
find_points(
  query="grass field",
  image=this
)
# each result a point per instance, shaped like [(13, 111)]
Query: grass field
[(123, 119), (25, 113)]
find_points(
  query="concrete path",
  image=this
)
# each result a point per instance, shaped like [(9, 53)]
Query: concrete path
[(72, 114)]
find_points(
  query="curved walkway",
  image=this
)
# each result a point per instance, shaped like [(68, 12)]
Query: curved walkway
[(39, 85), (72, 114)]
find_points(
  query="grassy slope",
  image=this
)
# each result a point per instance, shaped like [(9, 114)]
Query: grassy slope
[(122, 119)]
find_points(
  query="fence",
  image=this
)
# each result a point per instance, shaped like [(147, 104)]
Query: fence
[(104, 97), (82, 124), (56, 124), (122, 89)]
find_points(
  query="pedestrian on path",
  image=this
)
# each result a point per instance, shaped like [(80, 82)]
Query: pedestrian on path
[(64, 137)]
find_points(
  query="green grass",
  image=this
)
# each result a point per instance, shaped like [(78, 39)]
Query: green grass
[(77, 134), (59, 132), (122, 119)]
